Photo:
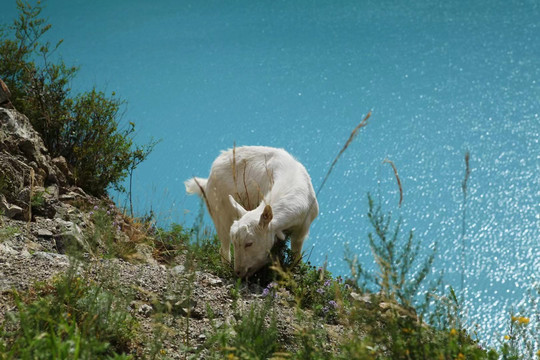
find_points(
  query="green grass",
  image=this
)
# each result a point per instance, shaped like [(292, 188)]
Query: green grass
[(72, 318), (254, 336), (38, 199), (203, 252), (8, 232)]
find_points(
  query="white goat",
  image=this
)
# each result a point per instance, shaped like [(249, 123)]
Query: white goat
[(257, 195)]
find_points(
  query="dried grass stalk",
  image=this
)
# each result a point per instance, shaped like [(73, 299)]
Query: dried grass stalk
[(397, 178), (349, 141), (204, 196)]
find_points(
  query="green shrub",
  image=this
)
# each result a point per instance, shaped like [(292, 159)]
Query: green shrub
[(100, 153), (39, 88), (396, 260), (85, 128), (37, 199)]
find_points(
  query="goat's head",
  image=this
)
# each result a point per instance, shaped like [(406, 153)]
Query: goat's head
[(252, 237)]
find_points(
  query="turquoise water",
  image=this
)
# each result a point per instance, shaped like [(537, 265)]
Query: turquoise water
[(442, 77)]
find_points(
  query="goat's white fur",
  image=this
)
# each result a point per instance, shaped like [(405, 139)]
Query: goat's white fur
[(256, 195)]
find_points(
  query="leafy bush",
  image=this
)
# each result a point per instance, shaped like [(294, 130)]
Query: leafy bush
[(85, 128), (101, 152), (396, 260)]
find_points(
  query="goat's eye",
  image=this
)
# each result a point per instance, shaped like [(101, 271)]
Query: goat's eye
[(248, 244)]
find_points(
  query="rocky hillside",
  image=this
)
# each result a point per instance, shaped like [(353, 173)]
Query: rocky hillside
[(43, 215)]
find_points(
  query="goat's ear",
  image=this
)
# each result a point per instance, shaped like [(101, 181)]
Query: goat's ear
[(240, 211), (266, 216)]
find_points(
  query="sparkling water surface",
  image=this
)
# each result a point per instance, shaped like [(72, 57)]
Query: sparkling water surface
[(442, 77)]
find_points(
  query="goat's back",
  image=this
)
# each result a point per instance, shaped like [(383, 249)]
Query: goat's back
[(248, 173)]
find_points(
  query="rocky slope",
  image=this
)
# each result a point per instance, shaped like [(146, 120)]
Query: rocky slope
[(42, 214)]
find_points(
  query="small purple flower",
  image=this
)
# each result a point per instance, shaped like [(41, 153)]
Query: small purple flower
[(118, 228), (327, 283), (325, 309), (111, 206), (96, 207), (272, 284), (265, 292), (108, 212), (320, 291), (91, 213), (333, 304)]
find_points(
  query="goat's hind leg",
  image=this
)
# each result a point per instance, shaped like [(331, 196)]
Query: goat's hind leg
[(297, 241)]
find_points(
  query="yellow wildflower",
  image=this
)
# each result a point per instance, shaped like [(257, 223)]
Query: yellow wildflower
[(162, 351), (523, 320), (460, 356), (506, 337), (453, 332), (538, 354)]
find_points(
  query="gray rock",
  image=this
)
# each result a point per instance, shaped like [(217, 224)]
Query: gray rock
[(215, 281), (6, 249), (44, 233), (187, 307), (10, 210), (362, 298), (61, 163), (178, 269), (71, 236), (52, 192), (143, 254), (22, 149), (58, 259), (145, 310)]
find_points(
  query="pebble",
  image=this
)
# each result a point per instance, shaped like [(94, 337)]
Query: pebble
[(44, 233), (178, 269), (145, 310)]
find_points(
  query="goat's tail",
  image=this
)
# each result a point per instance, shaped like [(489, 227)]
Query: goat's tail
[(196, 185)]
